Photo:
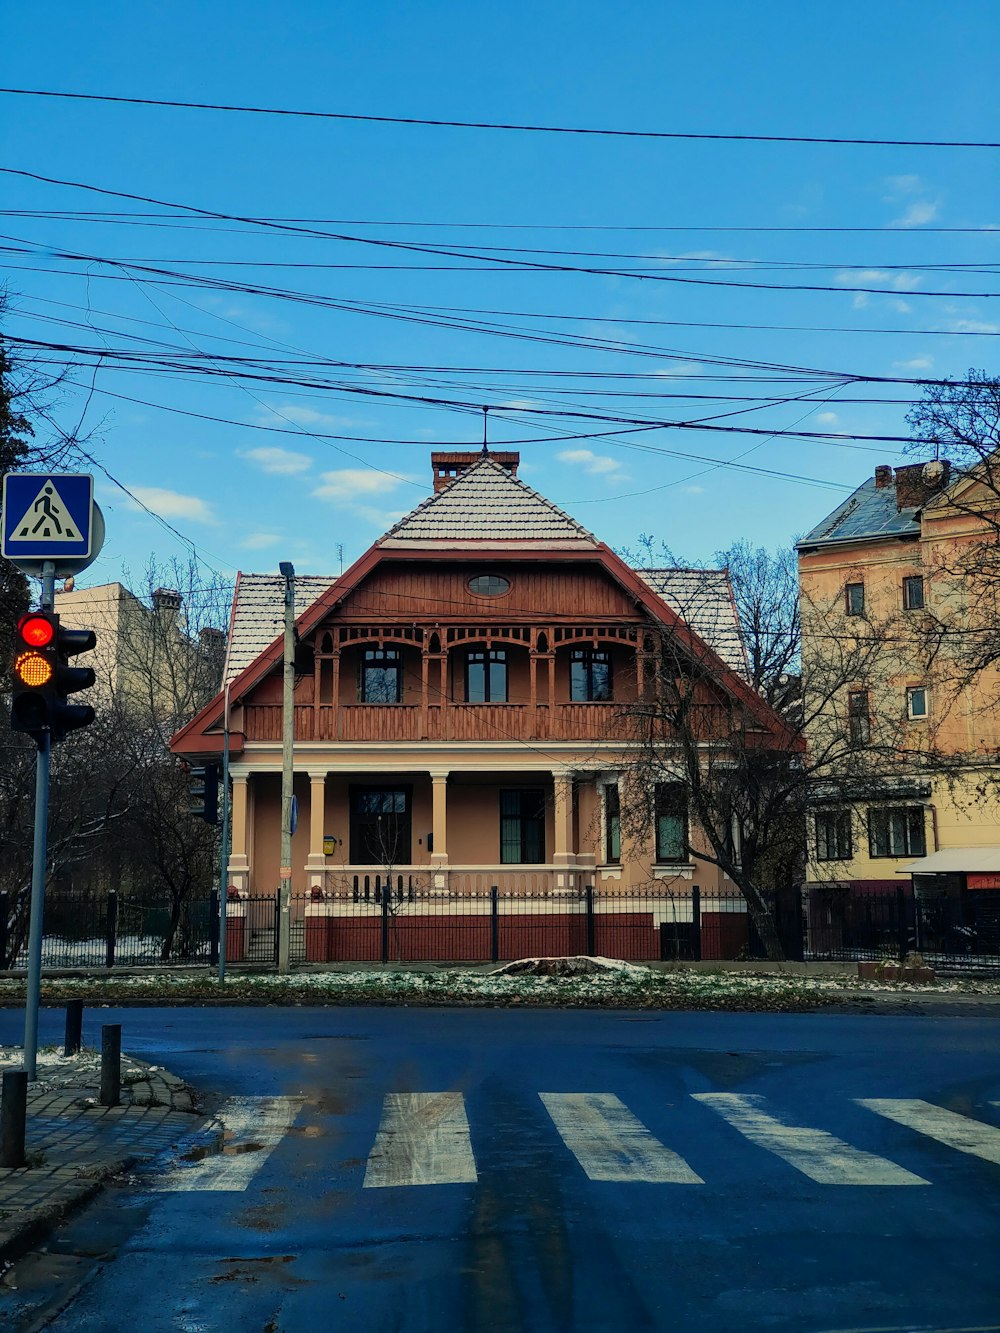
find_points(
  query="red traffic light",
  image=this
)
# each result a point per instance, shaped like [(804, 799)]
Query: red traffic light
[(38, 631)]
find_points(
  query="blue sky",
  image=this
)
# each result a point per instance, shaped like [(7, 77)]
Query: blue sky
[(237, 465)]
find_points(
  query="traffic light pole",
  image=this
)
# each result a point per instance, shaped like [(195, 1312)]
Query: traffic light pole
[(38, 859)]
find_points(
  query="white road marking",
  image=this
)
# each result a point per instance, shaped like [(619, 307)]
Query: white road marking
[(610, 1143), (252, 1127), (422, 1139), (814, 1152), (948, 1127)]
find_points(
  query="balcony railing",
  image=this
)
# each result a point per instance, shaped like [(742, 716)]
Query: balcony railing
[(442, 722)]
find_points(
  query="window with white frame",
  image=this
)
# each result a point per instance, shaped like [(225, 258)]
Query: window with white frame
[(917, 703)]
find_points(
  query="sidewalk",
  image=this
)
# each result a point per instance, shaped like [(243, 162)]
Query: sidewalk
[(73, 1144)]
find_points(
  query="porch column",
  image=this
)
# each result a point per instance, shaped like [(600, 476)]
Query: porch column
[(563, 855), (239, 862), (439, 827), (316, 861)]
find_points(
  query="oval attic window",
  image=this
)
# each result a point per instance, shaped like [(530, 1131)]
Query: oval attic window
[(489, 585)]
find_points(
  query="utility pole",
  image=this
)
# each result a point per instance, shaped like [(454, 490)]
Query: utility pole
[(287, 741)]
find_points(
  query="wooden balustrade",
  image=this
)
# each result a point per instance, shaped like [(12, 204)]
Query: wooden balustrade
[(446, 722)]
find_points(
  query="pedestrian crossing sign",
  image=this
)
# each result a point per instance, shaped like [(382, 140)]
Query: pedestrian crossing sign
[(48, 516)]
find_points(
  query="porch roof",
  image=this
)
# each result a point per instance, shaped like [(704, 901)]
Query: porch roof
[(955, 860)]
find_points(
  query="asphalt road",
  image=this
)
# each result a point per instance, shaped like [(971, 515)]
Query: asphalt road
[(426, 1170)]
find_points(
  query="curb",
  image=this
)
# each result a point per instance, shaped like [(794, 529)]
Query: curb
[(39, 1223)]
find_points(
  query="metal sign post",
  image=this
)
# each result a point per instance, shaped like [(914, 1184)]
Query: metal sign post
[(38, 860), (50, 527)]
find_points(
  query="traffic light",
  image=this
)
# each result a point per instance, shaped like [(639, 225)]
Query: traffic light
[(205, 793), (42, 677)]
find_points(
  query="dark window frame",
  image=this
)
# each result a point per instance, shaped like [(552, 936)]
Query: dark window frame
[(489, 590), (489, 657), (834, 835), (859, 718), (913, 592), (522, 826), (400, 816), (896, 831), (587, 659), (671, 804), (854, 599), (612, 825), (381, 660)]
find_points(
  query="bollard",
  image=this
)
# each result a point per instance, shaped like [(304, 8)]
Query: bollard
[(111, 1064), (74, 1027), (13, 1108)]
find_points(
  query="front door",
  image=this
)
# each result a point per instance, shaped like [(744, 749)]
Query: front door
[(380, 827)]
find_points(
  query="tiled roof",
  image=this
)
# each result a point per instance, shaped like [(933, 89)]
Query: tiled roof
[(703, 598), (870, 512), (259, 614), (486, 503)]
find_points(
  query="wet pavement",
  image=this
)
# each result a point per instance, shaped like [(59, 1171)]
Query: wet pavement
[(400, 1169)]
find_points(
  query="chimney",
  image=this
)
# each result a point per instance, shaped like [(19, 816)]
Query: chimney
[(166, 601), (213, 641), (917, 482), (448, 467), (883, 476)]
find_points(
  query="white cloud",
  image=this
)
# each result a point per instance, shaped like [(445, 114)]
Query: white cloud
[(172, 504), (711, 258), (900, 307), (974, 326), (258, 541), (915, 365), (693, 490), (918, 214), (903, 185), (826, 418), (300, 415), (596, 464), (519, 404), (861, 300), (284, 461), (906, 282), (861, 277), (679, 370), (344, 486)]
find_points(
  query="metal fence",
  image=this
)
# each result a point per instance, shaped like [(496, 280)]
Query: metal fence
[(951, 929), (401, 920)]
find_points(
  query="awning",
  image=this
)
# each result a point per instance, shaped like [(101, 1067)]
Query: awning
[(956, 860)]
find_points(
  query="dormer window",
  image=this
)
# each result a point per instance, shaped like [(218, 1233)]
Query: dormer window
[(489, 585)]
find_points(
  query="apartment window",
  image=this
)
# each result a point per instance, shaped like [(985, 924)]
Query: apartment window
[(380, 826), (913, 593), (671, 822), (522, 826), (486, 676), (916, 703), (612, 826), (590, 675), (858, 717), (854, 595), (833, 835), (381, 676), (898, 832)]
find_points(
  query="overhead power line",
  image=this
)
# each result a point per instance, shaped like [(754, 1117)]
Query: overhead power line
[(506, 126)]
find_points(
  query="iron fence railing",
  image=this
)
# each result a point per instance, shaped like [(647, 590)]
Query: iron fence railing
[(399, 918)]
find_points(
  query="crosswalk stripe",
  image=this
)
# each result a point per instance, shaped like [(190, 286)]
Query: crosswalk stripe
[(814, 1152), (422, 1139), (948, 1127), (252, 1127), (610, 1143)]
